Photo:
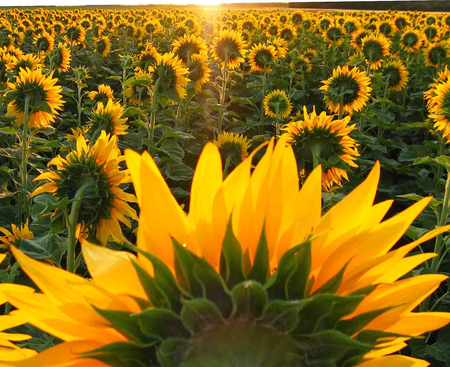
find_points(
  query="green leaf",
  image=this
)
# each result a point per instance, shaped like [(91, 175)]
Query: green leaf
[(46, 203), (231, 267), (50, 247), (249, 300), (200, 314), (172, 94), (161, 324)]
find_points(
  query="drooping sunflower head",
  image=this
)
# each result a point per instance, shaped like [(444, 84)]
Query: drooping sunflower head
[(352, 88), (375, 48), (74, 35), (45, 99), (62, 57), (396, 74), (262, 57), (288, 33), (13, 237), (411, 39), (317, 138), (44, 43), (108, 118), (102, 94), (188, 45), (232, 147), (437, 54), (170, 72), (277, 104), (229, 49), (103, 46), (95, 167), (28, 61), (146, 59), (199, 71)]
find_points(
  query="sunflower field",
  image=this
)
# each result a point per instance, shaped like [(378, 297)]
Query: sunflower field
[(224, 188)]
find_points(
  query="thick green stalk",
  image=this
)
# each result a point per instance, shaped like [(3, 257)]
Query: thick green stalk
[(73, 221), (153, 109), (79, 105), (315, 150), (263, 94), (222, 98), (24, 163)]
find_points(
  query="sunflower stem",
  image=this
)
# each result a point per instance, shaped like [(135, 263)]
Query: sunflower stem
[(263, 94), (153, 110), (79, 104), (24, 163), (227, 165), (72, 240), (10, 279), (341, 107), (315, 150), (223, 93)]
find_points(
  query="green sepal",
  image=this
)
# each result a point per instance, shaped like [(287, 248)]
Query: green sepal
[(277, 284), (164, 281), (184, 268), (297, 281), (124, 354), (213, 286), (261, 266), (329, 345), (249, 300), (161, 323), (233, 272), (282, 315), (171, 352), (125, 323), (353, 325), (155, 296), (333, 284), (199, 315), (373, 336)]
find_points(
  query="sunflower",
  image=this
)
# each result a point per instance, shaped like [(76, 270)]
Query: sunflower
[(199, 71), (229, 49), (439, 106), (352, 86), (188, 45), (74, 35), (357, 38), (43, 96), (13, 237), (280, 45), (334, 35), (262, 57), (432, 33), (103, 46), (375, 48), (297, 17), (138, 92), (29, 61), (216, 285), (170, 72), (5, 64), (351, 25), (401, 21), (301, 65), (272, 31), (44, 43), (152, 27), (443, 76), (102, 94), (232, 147), (310, 54), (108, 118), (61, 57), (277, 104), (288, 33), (76, 133), (396, 73), (318, 136), (411, 40), (106, 205), (324, 23), (437, 54), (386, 27)]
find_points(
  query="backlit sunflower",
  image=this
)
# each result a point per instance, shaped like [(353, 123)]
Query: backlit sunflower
[(262, 57), (325, 23), (152, 27), (396, 73), (106, 205), (108, 118), (170, 72), (411, 40), (318, 136), (40, 89), (432, 33), (199, 71), (277, 104), (136, 92), (102, 94), (375, 48), (5, 61), (439, 106), (44, 43), (288, 33), (401, 21), (301, 65), (103, 46), (272, 31), (357, 38), (281, 46), (443, 76), (310, 54), (232, 147), (229, 49), (437, 54), (12, 238), (213, 285), (74, 35), (334, 35), (386, 27), (188, 45), (352, 86), (28, 61), (62, 57), (146, 59), (351, 25)]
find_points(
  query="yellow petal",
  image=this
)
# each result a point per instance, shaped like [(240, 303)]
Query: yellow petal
[(395, 360)]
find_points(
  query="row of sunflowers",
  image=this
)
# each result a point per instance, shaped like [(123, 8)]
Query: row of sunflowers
[(193, 187)]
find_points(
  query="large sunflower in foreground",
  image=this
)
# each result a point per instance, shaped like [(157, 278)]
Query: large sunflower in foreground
[(229, 49), (40, 89), (244, 276), (353, 87), (319, 135), (105, 207)]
